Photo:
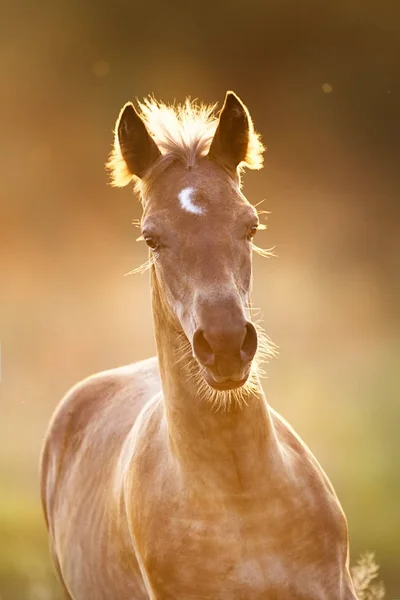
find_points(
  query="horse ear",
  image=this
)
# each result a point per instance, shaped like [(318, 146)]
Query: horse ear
[(134, 150), (231, 140)]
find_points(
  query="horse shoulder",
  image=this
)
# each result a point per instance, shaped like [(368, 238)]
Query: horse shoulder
[(97, 411), (289, 439), (312, 485)]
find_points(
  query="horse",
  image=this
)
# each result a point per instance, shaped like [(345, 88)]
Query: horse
[(173, 478)]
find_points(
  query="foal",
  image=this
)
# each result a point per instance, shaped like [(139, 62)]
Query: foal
[(172, 479)]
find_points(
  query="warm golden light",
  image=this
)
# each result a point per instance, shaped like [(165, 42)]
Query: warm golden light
[(321, 81)]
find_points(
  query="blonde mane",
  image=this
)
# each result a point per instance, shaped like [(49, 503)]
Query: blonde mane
[(182, 132)]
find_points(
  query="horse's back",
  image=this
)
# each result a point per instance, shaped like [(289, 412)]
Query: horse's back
[(80, 454)]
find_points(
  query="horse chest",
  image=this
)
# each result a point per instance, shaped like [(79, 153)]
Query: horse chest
[(231, 554)]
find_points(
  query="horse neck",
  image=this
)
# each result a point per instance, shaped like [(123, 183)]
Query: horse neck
[(198, 434)]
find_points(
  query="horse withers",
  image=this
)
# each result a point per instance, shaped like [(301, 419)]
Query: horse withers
[(173, 478)]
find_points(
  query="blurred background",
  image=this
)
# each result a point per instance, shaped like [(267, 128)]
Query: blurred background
[(321, 80)]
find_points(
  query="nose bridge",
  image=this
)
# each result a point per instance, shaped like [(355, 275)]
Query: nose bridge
[(224, 341), (222, 318)]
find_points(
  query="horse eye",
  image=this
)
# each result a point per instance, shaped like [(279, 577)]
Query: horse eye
[(151, 242), (251, 232)]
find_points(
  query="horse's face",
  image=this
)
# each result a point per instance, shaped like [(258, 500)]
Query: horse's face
[(199, 227)]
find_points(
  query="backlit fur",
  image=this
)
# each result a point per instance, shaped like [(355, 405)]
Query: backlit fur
[(182, 132)]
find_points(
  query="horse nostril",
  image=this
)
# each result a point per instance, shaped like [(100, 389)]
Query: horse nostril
[(202, 349), (249, 344)]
